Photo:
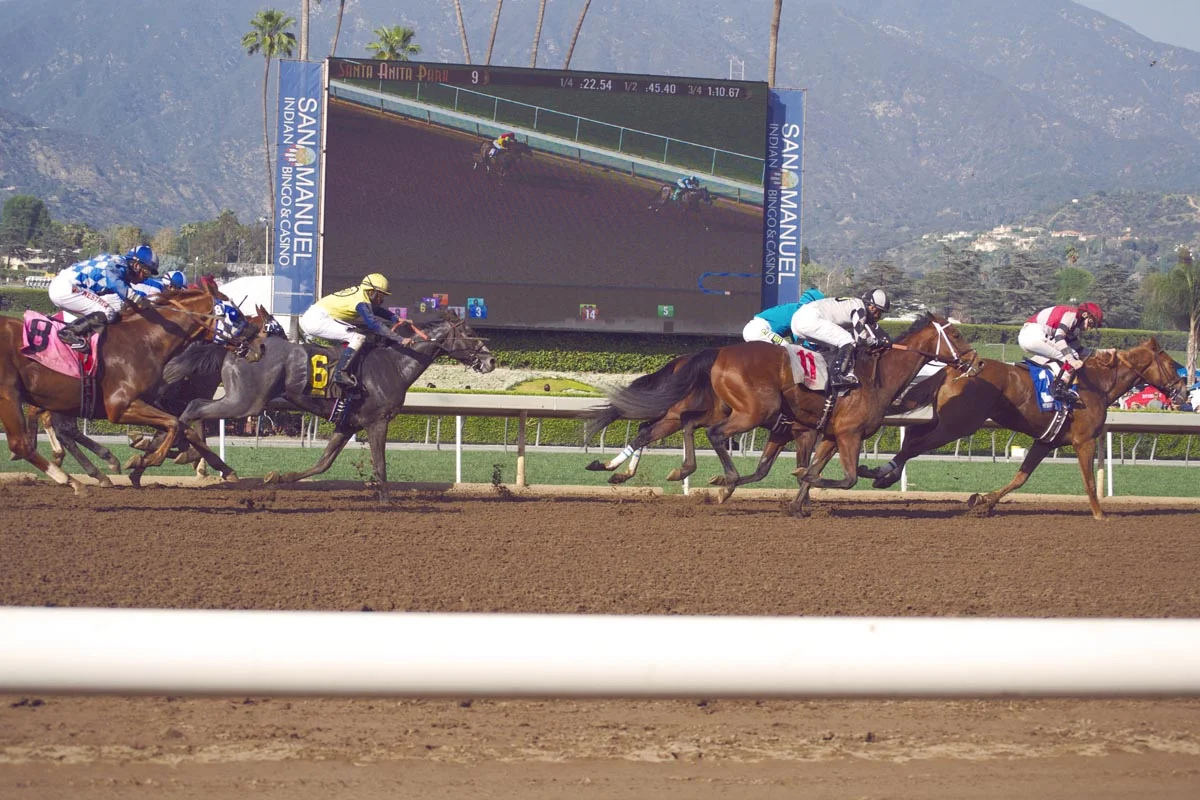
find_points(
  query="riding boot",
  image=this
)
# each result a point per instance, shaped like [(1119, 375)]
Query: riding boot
[(341, 373), (843, 362), (75, 335), (1063, 387)]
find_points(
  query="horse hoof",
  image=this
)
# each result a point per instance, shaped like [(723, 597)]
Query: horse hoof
[(675, 475), (80, 489), (800, 473), (270, 478), (619, 478), (597, 466), (885, 481), (974, 500), (103, 482), (231, 477)]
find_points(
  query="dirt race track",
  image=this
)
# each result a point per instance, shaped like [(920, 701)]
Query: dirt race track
[(334, 548)]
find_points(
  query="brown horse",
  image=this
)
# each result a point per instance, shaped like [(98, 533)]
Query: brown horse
[(132, 359), (505, 162), (65, 436), (1005, 393), (698, 409), (753, 386)]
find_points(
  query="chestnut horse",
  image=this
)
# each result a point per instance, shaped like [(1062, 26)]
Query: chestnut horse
[(1005, 393), (752, 386), (697, 410), (133, 354)]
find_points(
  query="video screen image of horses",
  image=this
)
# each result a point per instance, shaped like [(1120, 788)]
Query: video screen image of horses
[(574, 224)]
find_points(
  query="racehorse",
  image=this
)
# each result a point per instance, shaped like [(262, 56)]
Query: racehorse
[(286, 377), (132, 358), (66, 437), (698, 409), (505, 162), (753, 386), (1005, 393), (688, 199)]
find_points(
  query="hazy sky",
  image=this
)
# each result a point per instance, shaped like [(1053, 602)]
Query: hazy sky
[(1175, 22)]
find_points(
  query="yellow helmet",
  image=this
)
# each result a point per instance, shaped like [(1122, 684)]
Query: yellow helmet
[(376, 282)]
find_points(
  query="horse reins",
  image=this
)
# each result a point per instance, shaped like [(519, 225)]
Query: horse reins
[(1177, 393), (955, 359)]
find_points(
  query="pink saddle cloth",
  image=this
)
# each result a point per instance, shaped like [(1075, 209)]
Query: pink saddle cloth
[(40, 342)]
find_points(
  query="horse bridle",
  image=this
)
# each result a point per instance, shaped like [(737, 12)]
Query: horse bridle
[(476, 352), (239, 344), (961, 362), (1178, 388)]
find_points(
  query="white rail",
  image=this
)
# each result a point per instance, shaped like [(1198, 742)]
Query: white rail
[(156, 652)]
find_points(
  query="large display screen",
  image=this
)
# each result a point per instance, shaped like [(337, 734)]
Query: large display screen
[(577, 225)]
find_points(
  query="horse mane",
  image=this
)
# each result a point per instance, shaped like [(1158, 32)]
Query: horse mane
[(919, 324)]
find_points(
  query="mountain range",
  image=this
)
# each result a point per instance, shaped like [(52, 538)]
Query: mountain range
[(921, 115)]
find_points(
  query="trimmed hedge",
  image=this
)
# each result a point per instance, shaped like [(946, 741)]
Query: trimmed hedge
[(21, 298)]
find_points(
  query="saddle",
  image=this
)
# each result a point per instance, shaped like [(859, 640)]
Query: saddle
[(40, 342), (1042, 381)]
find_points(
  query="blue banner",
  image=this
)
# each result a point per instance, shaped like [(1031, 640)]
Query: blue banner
[(297, 183), (781, 197)]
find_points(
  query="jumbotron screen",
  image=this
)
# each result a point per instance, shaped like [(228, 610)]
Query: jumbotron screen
[(577, 224)]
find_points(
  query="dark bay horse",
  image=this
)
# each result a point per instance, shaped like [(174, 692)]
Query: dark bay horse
[(283, 379), (1005, 393), (505, 162), (133, 354)]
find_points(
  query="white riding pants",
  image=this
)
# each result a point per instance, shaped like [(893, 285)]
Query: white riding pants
[(1033, 340), (758, 330), (317, 322), (807, 323), (69, 296)]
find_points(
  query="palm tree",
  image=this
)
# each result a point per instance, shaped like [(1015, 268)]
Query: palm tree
[(270, 36), (305, 16), (462, 31), (395, 44), (537, 32), (773, 49), (337, 30), (1176, 297), (575, 36), (495, 24)]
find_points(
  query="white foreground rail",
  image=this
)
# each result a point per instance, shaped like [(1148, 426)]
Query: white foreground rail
[(55, 650)]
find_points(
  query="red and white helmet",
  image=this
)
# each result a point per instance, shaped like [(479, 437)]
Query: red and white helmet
[(1093, 311)]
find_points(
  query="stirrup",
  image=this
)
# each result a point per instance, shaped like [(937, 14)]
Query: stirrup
[(346, 380), (75, 342)]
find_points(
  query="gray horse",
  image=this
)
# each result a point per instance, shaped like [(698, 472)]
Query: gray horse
[(284, 378)]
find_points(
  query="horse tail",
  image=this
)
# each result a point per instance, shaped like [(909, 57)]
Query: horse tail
[(652, 396), (203, 359)]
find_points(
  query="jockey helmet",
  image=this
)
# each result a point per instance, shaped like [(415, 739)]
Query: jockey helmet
[(144, 255), (176, 278), (877, 298), (509, 135), (375, 282), (1094, 311)]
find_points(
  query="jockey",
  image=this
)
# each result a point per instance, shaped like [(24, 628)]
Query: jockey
[(1053, 335), (684, 184), (81, 289), (841, 322), (775, 323), (155, 284), (500, 143), (342, 316)]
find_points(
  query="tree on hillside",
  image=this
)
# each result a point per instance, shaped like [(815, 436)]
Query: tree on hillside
[(1175, 298), (1074, 283), (575, 35), (1116, 292), (270, 36), (887, 276), (955, 288), (1025, 285), (394, 43), (24, 220)]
